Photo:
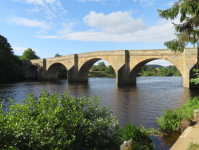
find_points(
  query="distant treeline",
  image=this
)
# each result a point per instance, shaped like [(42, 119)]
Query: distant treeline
[(102, 67), (152, 71), (145, 71)]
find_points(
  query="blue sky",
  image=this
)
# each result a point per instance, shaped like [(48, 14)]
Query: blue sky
[(78, 26)]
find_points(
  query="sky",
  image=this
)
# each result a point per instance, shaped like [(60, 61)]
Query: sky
[(79, 26)]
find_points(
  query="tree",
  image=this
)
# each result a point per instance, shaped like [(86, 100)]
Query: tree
[(187, 30), (62, 71), (94, 68), (10, 65), (29, 54), (165, 72), (110, 70), (101, 66), (174, 70), (148, 71), (195, 80)]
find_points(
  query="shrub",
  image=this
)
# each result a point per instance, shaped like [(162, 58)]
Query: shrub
[(140, 138), (59, 123), (171, 119), (193, 146)]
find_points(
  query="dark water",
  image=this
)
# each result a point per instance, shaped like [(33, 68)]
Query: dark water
[(139, 104)]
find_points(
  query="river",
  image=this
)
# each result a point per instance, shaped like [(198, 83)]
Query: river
[(139, 104)]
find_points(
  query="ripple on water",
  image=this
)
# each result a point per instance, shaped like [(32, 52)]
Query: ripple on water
[(139, 104)]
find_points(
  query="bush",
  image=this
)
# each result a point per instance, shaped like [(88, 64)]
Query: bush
[(165, 72), (171, 119), (59, 123), (140, 138)]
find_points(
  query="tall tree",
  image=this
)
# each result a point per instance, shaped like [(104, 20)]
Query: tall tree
[(187, 30), (10, 65), (29, 54)]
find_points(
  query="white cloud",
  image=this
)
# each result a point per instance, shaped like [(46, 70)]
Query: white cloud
[(170, 4), (146, 2), (33, 10), (160, 62), (90, 0), (49, 7), (22, 49), (36, 2), (115, 23), (118, 27), (28, 22), (67, 28)]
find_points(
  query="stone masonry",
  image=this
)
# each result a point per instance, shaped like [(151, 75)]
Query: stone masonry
[(126, 63)]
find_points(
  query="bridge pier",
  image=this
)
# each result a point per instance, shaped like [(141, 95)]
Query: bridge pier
[(191, 57), (122, 72), (126, 64)]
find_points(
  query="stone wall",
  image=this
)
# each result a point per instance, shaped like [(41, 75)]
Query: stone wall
[(126, 63)]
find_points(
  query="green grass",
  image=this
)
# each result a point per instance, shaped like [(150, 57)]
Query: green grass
[(100, 74), (193, 146), (172, 118)]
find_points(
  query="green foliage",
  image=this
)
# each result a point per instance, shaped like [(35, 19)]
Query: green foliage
[(94, 68), (10, 65), (62, 71), (100, 74), (195, 80), (165, 72), (193, 146), (29, 54), (101, 68), (170, 121), (59, 123), (101, 64), (187, 30), (174, 71), (140, 138), (110, 70), (150, 131), (148, 71)]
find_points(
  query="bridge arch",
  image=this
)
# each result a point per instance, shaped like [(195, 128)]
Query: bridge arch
[(53, 70), (86, 66), (32, 72), (139, 64)]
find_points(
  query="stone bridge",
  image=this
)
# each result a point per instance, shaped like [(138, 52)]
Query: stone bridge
[(126, 63)]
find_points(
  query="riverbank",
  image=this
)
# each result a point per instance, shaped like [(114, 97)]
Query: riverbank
[(100, 74), (188, 140), (151, 94), (179, 119)]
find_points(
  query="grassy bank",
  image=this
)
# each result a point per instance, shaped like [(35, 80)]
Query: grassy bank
[(179, 119), (100, 74)]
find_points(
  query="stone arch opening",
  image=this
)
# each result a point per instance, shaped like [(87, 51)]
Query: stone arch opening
[(135, 72), (32, 72), (57, 71), (101, 71)]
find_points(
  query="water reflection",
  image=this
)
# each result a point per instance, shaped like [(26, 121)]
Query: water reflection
[(139, 104)]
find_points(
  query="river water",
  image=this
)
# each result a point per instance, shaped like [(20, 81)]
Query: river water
[(139, 104)]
